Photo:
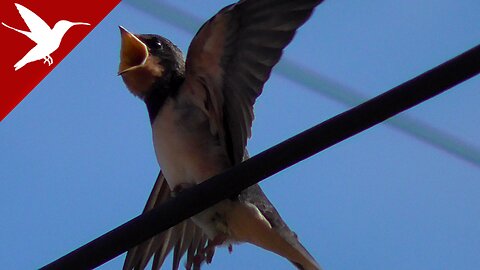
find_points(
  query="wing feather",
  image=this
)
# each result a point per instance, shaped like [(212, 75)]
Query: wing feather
[(38, 27), (233, 55)]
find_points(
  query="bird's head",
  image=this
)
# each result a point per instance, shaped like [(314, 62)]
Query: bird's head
[(148, 63)]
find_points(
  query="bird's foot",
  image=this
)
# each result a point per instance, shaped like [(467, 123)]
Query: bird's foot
[(212, 244), (198, 260), (206, 254), (48, 60), (209, 252)]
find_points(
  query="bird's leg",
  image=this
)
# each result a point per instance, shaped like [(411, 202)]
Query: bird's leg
[(197, 264), (48, 60), (198, 260), (206, 254), (209, 250)]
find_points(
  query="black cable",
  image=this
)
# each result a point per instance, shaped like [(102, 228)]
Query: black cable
[(271, 161)]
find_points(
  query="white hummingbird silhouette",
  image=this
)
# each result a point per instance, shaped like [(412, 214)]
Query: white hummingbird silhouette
[(47, 39)]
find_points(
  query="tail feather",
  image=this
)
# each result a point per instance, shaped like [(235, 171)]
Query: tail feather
[(288, 247), (279, 238), (183, 238), (301, 258), (29, 57)]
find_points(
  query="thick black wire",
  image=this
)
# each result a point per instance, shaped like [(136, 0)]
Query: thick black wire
[(271, 161)]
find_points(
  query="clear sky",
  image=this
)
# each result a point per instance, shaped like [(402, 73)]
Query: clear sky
[(77, 158)]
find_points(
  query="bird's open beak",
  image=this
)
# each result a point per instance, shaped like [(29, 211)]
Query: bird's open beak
[(133, 53)]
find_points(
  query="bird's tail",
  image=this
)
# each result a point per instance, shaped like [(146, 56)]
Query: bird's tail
[(300, 257), (290, 248), (20, 64), (184, 238), (22, 61), (278, 238)]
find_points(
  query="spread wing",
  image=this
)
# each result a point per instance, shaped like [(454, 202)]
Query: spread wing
[(231, 58), (38, 27), (183, 238)]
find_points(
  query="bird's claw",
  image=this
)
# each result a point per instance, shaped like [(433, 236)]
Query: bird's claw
[(198, 260), (206, 254), (209, 255), (48, 59)]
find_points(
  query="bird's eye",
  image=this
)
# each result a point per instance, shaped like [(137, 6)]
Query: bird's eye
[(159, 44)]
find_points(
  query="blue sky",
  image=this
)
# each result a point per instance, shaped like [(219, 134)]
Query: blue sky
[(77, 158)]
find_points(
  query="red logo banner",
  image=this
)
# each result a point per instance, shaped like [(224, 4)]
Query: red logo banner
[(36, 36)]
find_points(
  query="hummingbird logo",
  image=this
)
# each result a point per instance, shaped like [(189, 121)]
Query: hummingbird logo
[(47, 39)]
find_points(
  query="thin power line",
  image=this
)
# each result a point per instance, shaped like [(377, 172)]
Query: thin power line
[(328, 87), (413, 127), (271, 161)]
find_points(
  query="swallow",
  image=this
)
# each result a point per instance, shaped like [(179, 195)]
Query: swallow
[(201, 113)]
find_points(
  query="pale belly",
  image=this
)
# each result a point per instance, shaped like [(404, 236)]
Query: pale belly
[(188, 153), (186, 150)]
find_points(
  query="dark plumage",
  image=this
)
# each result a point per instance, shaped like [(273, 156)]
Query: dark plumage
[(201, 113)]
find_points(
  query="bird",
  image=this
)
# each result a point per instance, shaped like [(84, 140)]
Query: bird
[(47, 39), (201, 114)]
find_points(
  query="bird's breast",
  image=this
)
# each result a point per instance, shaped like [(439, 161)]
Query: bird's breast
[(186, 150)]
